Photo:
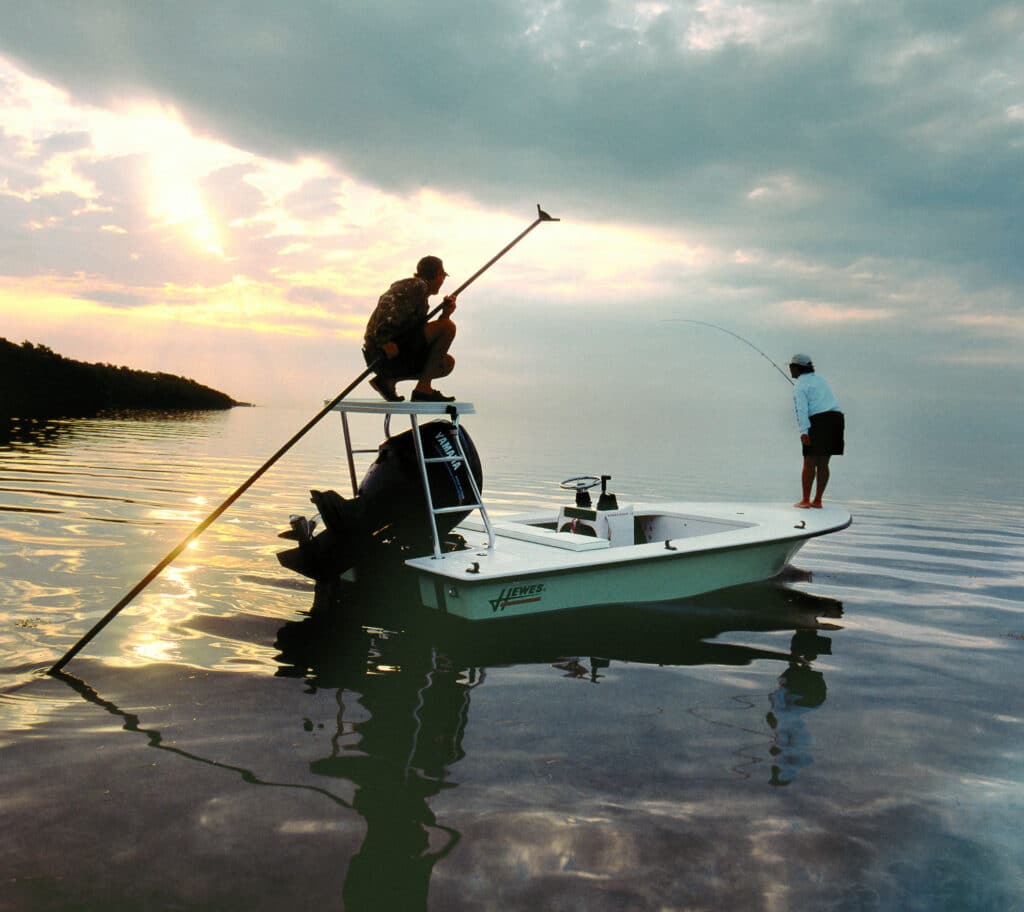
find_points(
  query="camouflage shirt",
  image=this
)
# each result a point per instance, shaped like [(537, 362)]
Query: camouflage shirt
[(400, 309)]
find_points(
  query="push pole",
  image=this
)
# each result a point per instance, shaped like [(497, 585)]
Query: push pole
[(542, 216), (202, 527)]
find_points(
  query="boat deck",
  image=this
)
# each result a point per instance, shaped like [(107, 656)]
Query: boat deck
[(700, 528)]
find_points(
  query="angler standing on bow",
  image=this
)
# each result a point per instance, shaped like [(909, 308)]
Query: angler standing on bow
[(400, 344), (822, 427)]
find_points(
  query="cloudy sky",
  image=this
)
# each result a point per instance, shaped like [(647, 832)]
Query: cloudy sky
[(223, 189)]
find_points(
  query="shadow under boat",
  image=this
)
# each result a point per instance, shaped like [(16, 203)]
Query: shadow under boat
[(684, 632)]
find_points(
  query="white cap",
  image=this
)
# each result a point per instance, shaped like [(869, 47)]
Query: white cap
[(802, 360)]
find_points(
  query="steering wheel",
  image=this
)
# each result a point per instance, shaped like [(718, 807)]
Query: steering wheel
[(580, 483)]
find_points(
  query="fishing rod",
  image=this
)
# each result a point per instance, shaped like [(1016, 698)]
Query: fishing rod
[(542, 216), (744, 341)]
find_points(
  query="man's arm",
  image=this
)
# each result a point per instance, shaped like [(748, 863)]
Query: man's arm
[(800, 404)]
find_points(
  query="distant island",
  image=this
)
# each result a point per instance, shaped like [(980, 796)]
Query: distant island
[(36, 382)]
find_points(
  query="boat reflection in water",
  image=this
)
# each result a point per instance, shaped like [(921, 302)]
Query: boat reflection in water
[(402, 712), (404, 682)]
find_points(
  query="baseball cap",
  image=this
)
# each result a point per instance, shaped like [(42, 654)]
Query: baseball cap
[(429, 267)]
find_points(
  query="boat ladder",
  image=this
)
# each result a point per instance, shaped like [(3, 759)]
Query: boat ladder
[(450, 410)]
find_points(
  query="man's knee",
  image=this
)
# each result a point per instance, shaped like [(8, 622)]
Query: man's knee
[(439, 332)]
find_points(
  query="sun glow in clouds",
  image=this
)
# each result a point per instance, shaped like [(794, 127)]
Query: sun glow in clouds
[(37, 115), (178, 202), (177, 206), (178, 161)]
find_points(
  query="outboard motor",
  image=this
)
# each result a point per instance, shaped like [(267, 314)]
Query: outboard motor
[(391, 507), (391, 492)]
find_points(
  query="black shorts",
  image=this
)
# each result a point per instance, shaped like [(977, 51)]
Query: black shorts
[(408, 363), (827, 433)]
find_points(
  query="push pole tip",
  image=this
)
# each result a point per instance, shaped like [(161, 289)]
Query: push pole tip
[(544, 217)]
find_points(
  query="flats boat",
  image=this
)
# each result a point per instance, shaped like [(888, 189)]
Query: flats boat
[(422, 497)]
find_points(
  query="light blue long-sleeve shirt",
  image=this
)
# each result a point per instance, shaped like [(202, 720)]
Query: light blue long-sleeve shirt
[(811, 396)]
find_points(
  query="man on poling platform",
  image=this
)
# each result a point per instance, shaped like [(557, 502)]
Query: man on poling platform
[(822, 428), (400, 344)]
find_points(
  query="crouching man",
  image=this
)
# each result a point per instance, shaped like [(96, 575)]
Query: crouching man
[(400, 344)]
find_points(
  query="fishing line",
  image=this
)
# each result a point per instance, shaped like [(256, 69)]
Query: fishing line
[(729, 332)]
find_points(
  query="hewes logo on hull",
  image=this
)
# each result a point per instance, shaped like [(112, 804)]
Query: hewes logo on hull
[(517, 595)]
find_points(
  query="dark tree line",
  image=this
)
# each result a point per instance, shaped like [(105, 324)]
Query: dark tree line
[(36, 382)]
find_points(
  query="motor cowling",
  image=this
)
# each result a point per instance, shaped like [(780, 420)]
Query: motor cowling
[(389, 514), (391, 492)]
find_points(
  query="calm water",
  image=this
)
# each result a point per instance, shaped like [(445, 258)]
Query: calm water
[(851, 738)]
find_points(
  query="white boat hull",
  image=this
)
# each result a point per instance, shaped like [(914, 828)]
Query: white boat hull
[(534, 570)]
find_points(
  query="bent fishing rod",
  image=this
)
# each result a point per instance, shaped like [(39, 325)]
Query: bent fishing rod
[(542, 216), (741, 339)]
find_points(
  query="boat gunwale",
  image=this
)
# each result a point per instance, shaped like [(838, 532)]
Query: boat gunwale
[(587, 562)]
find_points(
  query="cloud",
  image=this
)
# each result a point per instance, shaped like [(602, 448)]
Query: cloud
[(825, 312), (512, 93), (996, 325), (405, 96), (114, 298)]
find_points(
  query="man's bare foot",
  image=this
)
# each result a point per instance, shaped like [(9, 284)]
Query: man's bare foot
[(803, 504), (816, 504)]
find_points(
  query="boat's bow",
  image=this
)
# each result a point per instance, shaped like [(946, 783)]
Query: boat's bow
[(677, 550)]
